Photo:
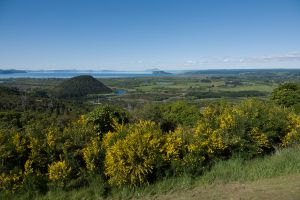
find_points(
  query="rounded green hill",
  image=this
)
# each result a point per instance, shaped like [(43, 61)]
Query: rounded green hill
[(81, 86)]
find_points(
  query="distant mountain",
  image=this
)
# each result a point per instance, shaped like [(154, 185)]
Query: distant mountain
[(151, 70), (11, 71), (160, 72), (81, 86)]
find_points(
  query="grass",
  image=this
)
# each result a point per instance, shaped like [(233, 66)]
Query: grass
[(282, 162), (278, 188), (254, 178), (256, 87)]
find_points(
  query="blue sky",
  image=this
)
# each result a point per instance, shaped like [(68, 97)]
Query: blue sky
[(143, 34)]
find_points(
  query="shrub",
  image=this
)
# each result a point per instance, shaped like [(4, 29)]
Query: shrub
[(293, 135), (92, 155), (171, 115), (181, 154), (251, 128), (287, 94), (173, 147), (59, 173), (102, 118), (11, 181), (36, 157), (131, 160)]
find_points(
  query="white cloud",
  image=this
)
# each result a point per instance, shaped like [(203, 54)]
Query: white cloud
[(191, 62), (293, 56), (290, 59)]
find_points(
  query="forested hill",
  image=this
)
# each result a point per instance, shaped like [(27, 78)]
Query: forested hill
[(81, 86)]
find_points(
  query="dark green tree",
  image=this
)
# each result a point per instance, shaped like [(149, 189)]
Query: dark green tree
[(103, 118), (287, 95)]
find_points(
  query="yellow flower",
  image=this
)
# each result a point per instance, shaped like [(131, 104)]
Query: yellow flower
[(293, 132), (28, 167), (173, 145), (132, 158), (82, 120), (51, 139), (11, 182), (226, 120), (209, 139), (58, 171), (19, 142), (260, 139), (91, 153)]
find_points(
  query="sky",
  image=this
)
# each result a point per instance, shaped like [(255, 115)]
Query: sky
[(146, 34)]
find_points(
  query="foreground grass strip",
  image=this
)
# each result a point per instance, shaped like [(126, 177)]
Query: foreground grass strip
[(282, 187), (283, 162), (273, 177)]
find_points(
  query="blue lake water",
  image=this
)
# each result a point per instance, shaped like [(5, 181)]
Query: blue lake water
[(69, 74), (120, 92)]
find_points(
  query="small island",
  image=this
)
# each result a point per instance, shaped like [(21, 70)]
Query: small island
[(160, 72), (11, 71)]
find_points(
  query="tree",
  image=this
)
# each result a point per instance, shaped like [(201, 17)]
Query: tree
[(104, 117), (287, 95)]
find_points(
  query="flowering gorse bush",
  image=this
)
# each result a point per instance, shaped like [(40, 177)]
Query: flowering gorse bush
[(91, 154), (101, 144), (293, 135), (58, 171), (131, 160), (11, 181), (173, 146)]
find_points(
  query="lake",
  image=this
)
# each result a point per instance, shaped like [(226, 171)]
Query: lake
[(120, 92)]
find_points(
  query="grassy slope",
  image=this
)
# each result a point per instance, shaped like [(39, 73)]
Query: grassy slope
[(284, 187), (273, 177)]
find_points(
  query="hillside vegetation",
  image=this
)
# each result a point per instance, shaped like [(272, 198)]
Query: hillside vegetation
[(111, 152), (81, 86)]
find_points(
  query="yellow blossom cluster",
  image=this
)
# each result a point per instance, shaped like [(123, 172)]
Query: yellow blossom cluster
[(293, 135), (131, 159), (82, 120), (139, 152), (173, 145), (20, 143), (11, 181), (58, 171), (259, 139), (91, 153)]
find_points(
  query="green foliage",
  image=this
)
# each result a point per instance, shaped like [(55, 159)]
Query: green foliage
[(40, 156), (103, 118), (251, 128), (59, 173), (10, 119), (282, 163), (170, 115), (222, 94), (91, 155), (180, 113), (37, 157), (287, 95), (132, 160)]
